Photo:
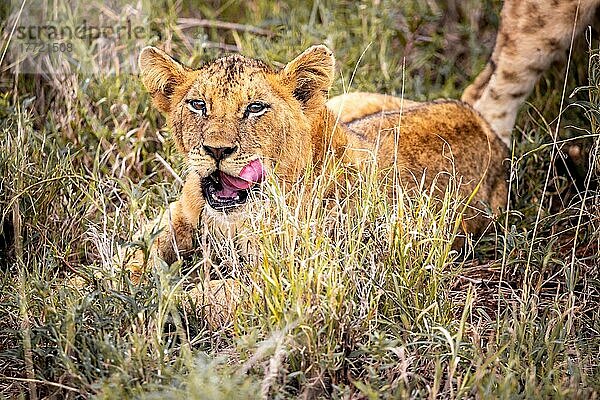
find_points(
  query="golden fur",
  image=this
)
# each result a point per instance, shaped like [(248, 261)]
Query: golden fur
[(297, 129)]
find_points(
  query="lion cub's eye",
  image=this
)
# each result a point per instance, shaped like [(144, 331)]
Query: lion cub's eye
[(255, 109), (197, 106)]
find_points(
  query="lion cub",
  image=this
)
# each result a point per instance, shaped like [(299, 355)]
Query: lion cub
[(237, 119)]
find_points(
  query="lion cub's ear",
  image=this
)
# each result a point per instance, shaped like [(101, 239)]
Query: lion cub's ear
[(311, 73), (161, 74)]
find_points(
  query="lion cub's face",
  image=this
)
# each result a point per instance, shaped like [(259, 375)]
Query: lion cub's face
[(236, 118)]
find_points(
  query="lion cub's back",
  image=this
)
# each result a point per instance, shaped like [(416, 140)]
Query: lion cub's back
[(349, 107), (434, 137)]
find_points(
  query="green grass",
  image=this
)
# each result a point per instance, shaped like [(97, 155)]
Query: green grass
[(362, 298)]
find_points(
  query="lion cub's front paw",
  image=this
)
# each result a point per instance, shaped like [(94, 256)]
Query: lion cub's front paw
[(133, 260), (135, 266), (218, 299)]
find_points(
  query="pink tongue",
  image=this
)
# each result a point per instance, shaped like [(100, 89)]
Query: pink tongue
[(252, 173)]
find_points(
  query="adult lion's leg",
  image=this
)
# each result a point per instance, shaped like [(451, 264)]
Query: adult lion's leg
[(176, 228), (532, 34), (474, 91)]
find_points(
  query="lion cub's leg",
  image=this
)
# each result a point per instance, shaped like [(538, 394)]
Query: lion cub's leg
[(177, 225), (532, 34)]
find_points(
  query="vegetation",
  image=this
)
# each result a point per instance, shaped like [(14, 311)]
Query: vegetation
[(347, 302)]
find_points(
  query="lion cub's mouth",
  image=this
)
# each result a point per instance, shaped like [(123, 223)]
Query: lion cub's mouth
[(225, 192), (221, 196)]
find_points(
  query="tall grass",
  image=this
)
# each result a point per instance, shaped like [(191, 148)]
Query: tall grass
[(359, 296)]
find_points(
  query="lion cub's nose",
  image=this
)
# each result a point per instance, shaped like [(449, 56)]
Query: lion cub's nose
[(219, 153)]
